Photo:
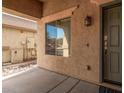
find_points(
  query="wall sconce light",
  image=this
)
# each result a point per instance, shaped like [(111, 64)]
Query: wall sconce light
[(87, 21)]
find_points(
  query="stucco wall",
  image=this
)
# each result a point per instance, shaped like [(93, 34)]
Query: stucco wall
[(13, 38), (80, 54), (6, 56)]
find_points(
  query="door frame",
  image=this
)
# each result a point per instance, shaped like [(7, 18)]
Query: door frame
[(102, 7)]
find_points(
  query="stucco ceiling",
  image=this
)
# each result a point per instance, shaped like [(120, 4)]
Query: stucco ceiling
[(43, 0)]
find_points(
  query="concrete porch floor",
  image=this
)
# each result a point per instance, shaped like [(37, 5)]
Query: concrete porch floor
[(39, 80)]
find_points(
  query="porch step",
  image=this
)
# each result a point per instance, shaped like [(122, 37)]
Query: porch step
[(108, 90), (66, 86)]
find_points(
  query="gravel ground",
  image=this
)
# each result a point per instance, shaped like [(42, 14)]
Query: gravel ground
[(15, 68)]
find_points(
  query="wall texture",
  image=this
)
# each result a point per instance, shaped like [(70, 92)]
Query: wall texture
[(12, 41), (13, 37), (80, 54)]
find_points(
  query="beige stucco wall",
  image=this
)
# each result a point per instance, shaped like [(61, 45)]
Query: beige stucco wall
[(13, 38), (6, 56), (80, 55)]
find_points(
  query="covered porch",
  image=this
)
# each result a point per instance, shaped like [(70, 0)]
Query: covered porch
[(79, 47)]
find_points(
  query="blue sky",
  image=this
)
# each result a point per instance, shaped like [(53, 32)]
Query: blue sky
[(55, 32)]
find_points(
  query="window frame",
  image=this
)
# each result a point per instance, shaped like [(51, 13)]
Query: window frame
[(69, 47)]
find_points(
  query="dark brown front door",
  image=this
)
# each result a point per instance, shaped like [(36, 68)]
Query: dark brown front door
[(112, 18)]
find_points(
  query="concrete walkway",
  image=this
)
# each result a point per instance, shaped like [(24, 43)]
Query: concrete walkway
[(39, 80)]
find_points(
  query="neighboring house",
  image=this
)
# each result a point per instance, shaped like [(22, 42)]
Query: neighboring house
[(19, 43)]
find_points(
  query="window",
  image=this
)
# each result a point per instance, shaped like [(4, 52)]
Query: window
[(58, 37)]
